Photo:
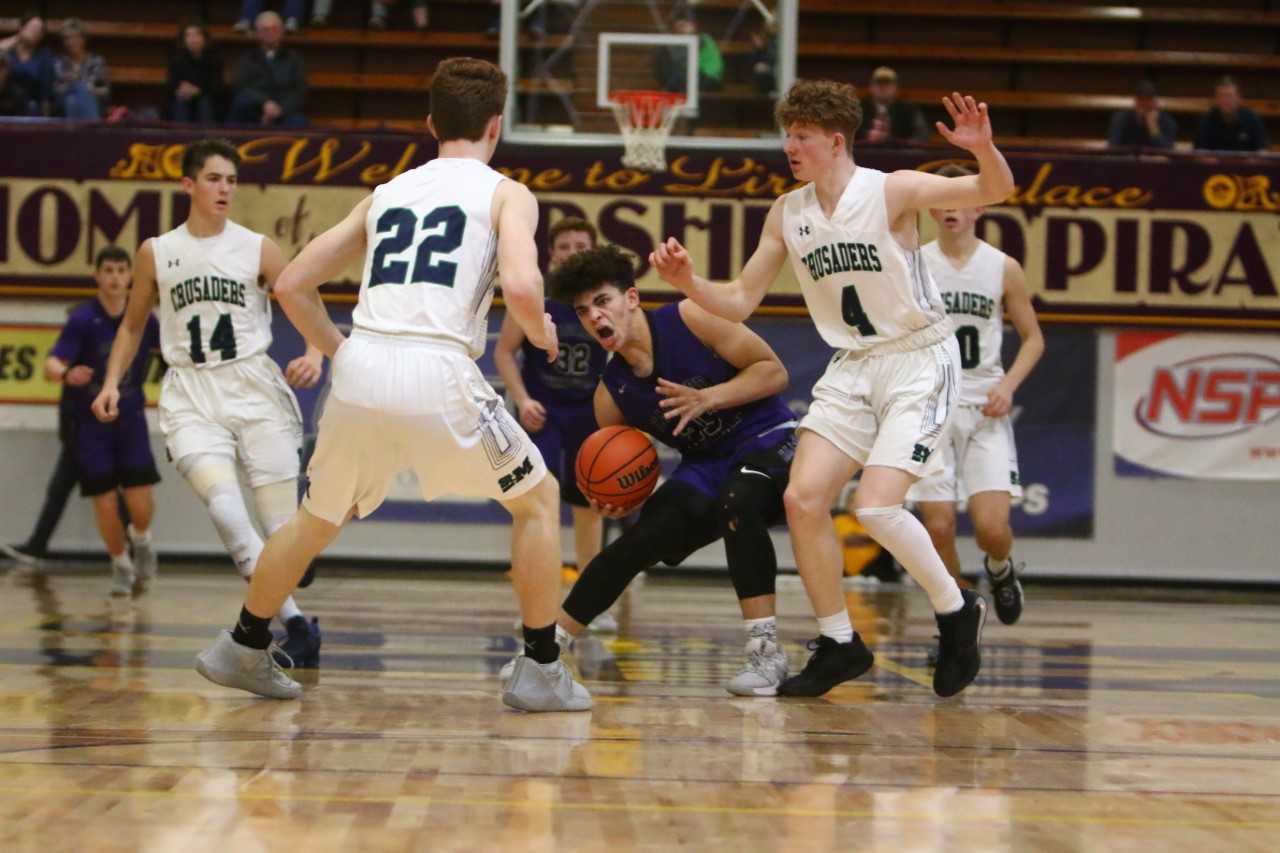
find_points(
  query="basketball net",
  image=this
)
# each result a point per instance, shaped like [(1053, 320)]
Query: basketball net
[(645, 119)]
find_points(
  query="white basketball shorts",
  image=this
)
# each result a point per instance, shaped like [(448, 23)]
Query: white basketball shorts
[(889, 409), (243, 409), (398, 405), (980, 456)]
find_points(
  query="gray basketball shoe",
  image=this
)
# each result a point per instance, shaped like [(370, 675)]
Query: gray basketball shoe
[(122, 577), (144, 558), (765, 669), (230, 664), (537, 686)]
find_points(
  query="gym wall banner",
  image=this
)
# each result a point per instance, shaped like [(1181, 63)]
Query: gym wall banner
[(23, 350), (1195, 405), (1103, 238)]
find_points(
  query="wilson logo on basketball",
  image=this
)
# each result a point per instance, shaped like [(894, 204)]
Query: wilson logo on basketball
[(1211, 396), (637, 476)]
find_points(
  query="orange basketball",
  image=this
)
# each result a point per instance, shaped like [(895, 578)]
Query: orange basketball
[(617, 466)]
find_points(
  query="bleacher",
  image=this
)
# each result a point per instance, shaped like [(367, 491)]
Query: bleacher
[(1052, 71)]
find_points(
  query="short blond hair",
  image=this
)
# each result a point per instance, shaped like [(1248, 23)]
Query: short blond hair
[(832, 106)]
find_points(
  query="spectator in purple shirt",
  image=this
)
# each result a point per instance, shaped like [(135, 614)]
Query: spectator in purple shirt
[(110, 456)]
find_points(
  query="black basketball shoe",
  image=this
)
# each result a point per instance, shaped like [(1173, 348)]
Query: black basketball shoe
[(830, 664), (1007, 592), (302, 645), (959, 655), (308, 577)]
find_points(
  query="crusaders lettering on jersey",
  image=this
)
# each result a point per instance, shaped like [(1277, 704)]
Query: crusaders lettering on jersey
[(842, 257), (207, 288), (974, 304)]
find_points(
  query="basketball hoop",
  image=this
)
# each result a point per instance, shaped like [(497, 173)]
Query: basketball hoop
[(645, 118)]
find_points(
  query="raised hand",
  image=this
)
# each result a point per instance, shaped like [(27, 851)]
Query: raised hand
[(673, 264), (973, 125)]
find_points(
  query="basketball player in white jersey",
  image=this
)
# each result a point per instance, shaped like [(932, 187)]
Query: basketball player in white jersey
[(979, 461), (885, 400), (407, 393), (223, 399)]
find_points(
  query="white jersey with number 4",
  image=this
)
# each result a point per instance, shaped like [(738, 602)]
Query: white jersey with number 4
[(213, 309), (974, 296), (432, 259), (861, 287)]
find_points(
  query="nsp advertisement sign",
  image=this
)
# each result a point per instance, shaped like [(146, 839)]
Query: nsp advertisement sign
[(1197, 405)]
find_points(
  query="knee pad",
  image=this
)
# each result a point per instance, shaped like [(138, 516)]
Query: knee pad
[(276, 503), (879, 520), (749, 499), (207, 471)]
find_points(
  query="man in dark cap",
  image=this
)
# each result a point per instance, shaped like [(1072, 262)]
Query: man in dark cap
[(1144, 126)]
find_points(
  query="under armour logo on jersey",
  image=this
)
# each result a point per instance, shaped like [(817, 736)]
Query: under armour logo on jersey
[(805, 230), (920, 453), (174, 262)]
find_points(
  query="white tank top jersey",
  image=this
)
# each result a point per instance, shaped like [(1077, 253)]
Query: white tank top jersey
[(974, 296), (861, 287), (213, 309), (432, 262)]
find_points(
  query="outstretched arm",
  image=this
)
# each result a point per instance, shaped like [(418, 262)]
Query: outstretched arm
[(298, 285), (1017, 301), (133, 326), (734, 300), (908, 190)]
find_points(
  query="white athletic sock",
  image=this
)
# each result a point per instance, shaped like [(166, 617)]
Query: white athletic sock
[(902, 534), (766, 627), (999, 573), (122, 560), (139, 537), (836, 626), (288, 610)]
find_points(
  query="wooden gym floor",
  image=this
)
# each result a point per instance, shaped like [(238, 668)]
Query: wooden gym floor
[(1108, 720)]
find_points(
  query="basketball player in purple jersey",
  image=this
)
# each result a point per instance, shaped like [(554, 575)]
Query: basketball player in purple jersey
[(708, 389), (553, 399), (115, 455)]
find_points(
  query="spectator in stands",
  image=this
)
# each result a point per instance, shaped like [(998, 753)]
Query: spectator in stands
[(31, 65), (270, 81), (81, 84), (886, 120), (1230, 125), (380, 8), (252, 10), (13, 99), (196, 88), (1144, 126), (764, 58), (671, 63)]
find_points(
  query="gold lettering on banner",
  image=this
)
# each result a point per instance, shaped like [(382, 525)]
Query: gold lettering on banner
[(149, 163), (1240, 192), (380, 173), (546, 180), (757, 180), (322, 163), (622, 180), (1039, 194)]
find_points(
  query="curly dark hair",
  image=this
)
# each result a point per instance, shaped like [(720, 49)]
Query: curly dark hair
[(832, 106), (588, 270)]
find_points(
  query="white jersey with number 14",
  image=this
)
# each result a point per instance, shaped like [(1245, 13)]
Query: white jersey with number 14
[(213, 307)]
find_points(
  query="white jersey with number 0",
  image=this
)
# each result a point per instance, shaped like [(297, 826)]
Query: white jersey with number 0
[(432, 259), (861, 287), (213, 309), (974, 296)]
